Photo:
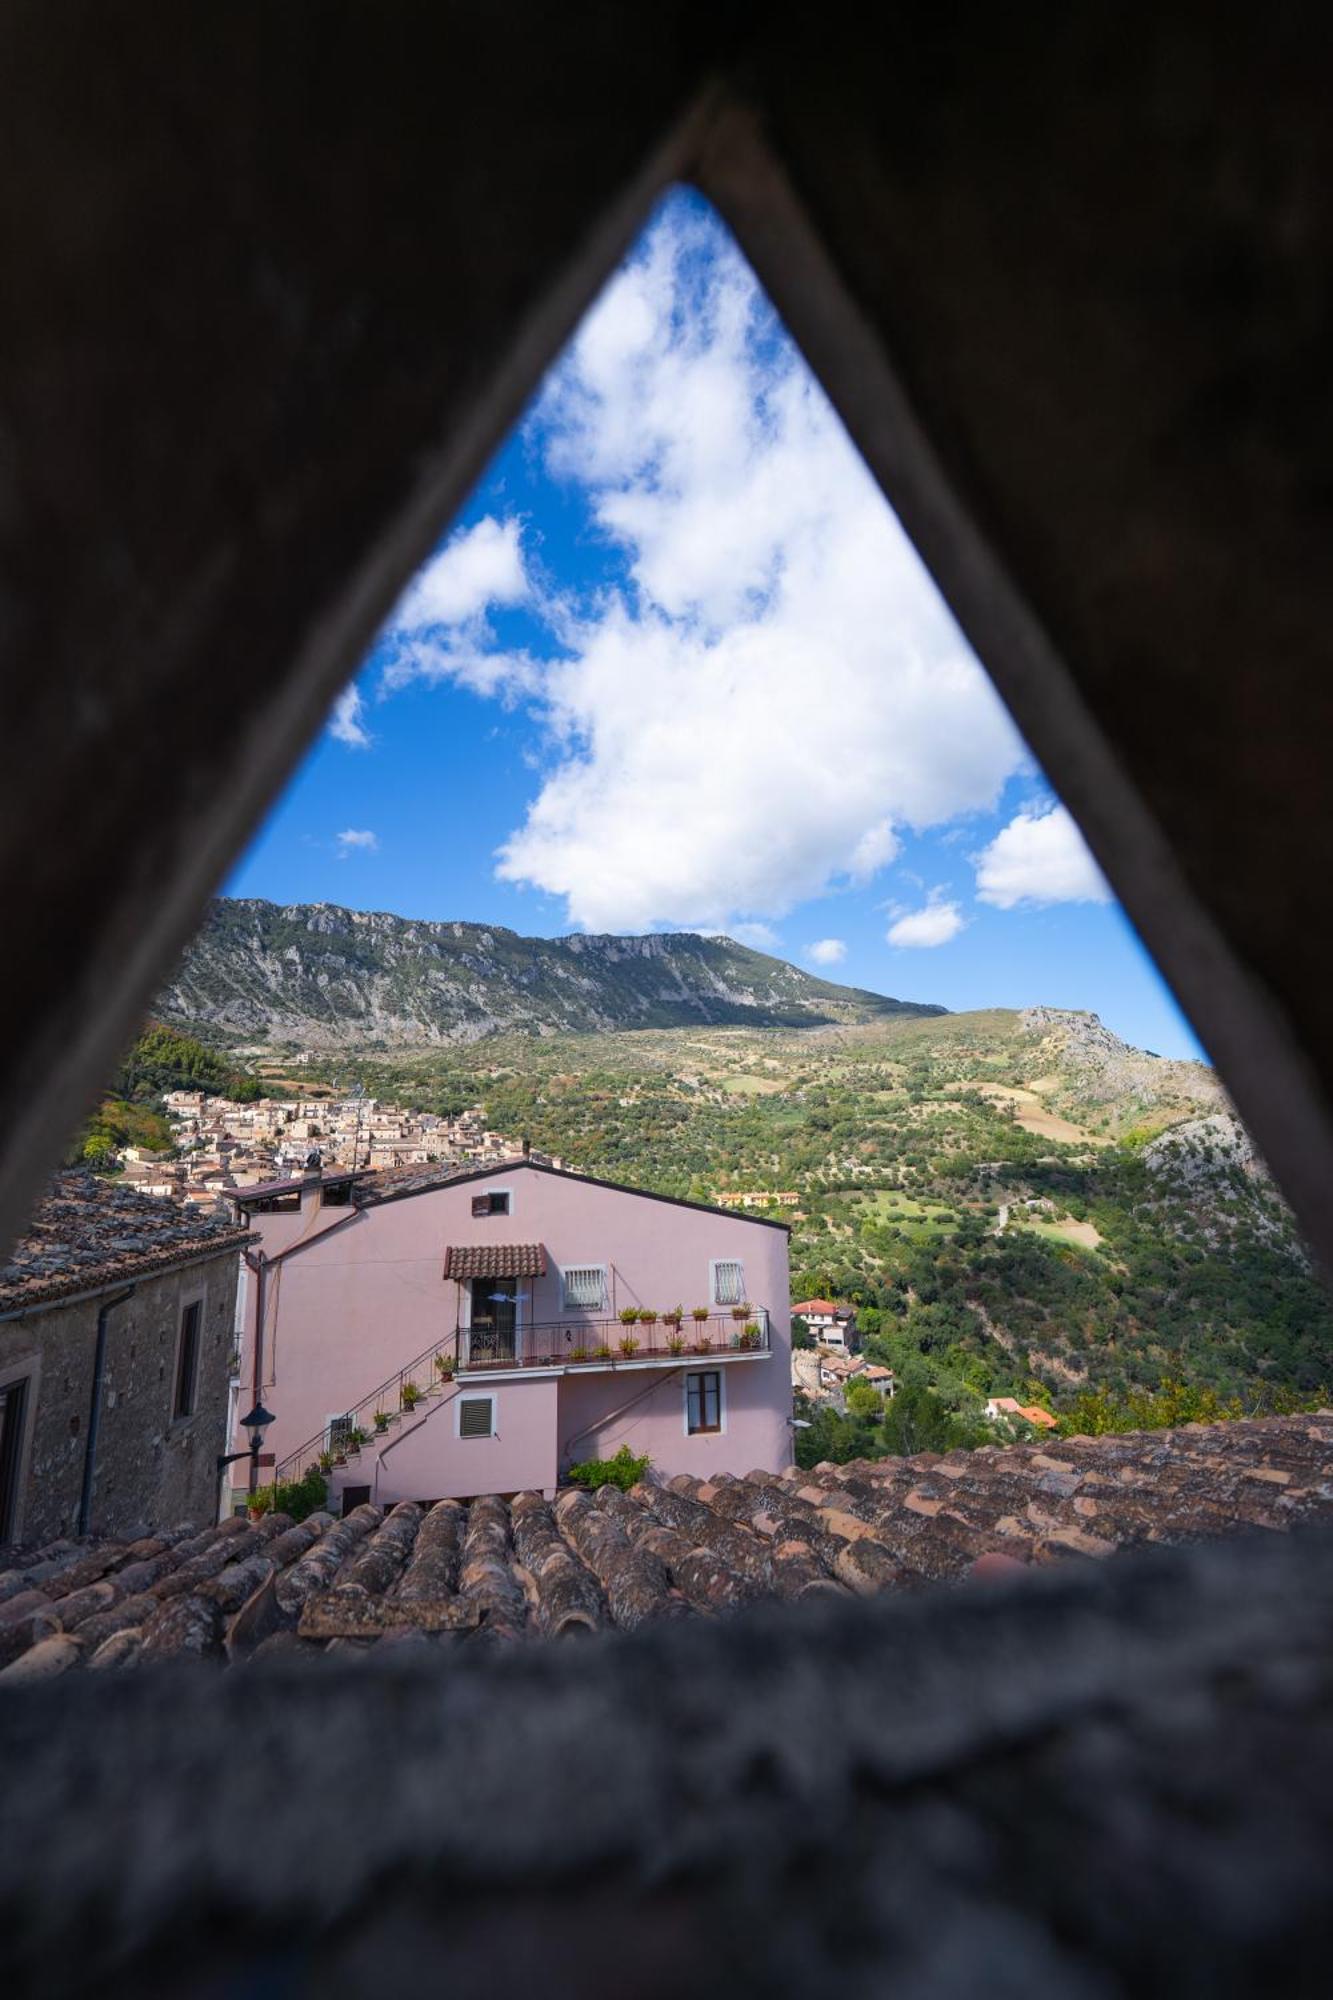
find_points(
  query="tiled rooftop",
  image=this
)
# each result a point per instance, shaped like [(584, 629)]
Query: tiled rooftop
[(496, 1571), (89, 1232)]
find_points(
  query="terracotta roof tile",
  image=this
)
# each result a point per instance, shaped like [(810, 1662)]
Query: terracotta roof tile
[(495, 1571), (495, 1260), (89, 1232)]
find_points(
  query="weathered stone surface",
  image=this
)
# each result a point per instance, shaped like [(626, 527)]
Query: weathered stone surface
[(951, 1777)]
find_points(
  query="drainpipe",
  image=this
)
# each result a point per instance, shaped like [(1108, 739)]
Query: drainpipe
[(107, 1307), (259, 1265)]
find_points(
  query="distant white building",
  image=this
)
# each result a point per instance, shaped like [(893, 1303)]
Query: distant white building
[(831, 1325)]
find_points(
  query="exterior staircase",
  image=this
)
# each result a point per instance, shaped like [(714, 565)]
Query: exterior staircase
[(383, 1415)]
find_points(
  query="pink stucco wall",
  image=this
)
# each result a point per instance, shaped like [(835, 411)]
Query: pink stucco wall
[(365, 1294), (427, 1460)]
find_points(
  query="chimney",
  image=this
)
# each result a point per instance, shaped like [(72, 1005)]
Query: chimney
[(312, 1182), (527, 1148)]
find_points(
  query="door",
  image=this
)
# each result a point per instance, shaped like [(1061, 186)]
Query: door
[(494, 1320)]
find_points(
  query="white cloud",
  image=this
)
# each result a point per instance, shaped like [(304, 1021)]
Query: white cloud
[(355, 839), (760, 937), (827, 951), (440, 628), (347, 722), (774, 687), (478, 567), (936, 923), (780, 683), (1040, 857)]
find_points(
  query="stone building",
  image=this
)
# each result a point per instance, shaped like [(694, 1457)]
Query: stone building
[(117, 1329)]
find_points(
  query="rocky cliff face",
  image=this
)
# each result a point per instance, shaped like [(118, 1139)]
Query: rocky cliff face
[(322, 976)]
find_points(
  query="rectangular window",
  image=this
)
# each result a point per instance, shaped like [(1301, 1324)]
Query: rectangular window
[(13, 1408), (585, 1285), (728, 1282), (339, 1433), (495, 1203), (476, 1416), (187, 1358), (703, 1402)]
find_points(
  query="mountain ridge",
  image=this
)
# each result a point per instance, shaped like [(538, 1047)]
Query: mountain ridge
[(327, 976)]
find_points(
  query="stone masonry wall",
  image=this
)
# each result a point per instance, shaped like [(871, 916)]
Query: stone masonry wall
[(152, 1469)]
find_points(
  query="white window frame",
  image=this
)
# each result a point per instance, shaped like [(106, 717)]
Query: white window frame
[(493, 1432), (715, 1264), (721, 1430), (597, 1305)]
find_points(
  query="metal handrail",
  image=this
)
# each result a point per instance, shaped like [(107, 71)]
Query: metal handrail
[(568, 1342), (298, 1462)]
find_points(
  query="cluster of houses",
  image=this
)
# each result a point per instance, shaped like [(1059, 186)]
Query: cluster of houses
[(823, 1373), (421, 1332), (222, 1144)]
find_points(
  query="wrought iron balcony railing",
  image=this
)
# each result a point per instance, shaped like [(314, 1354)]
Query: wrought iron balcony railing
[(581, 1341)]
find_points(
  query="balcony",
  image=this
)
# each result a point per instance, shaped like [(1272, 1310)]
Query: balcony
[(576, 1344)]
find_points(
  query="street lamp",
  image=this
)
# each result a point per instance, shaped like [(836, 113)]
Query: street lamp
[(254, 1425)]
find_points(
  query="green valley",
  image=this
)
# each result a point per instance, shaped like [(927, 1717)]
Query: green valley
[(1018, 1204)]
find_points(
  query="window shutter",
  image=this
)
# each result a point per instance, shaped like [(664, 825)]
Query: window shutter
[(584, 1285), (728, 1283), (475, 1417)]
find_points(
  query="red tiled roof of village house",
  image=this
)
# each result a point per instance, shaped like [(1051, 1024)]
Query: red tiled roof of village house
[(819, 1306), (495, 1260), (524, 1568), (89, 1232)]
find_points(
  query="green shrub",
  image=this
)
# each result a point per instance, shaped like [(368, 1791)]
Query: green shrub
[(297, 1497), (624, 1470)]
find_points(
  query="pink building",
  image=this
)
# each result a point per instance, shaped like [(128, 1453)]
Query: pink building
[(472, 1326)]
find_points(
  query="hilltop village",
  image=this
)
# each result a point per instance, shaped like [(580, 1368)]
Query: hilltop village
[(221, 1144)]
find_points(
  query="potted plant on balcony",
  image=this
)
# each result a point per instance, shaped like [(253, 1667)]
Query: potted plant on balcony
[(742, 1311), (629, 1316), (445, 1365), (676, 1342), (325, 1462), (356, 1437), (603, 1350), (578, 1353), (674, 1317), (629, 1346), (648, 1318), (381, 1422), (749, 1335), (410, 1394)]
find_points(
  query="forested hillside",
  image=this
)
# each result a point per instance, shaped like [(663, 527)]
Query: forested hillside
[(1018, 1204), (131, 1113)]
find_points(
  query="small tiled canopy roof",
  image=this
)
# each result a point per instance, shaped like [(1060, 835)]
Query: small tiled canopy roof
[(495, 1260)]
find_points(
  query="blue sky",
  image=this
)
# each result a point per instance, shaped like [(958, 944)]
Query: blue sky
[(676, 666)]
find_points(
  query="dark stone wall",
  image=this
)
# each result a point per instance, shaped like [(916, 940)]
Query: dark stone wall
[(1099, 1781), (152, 1470)]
